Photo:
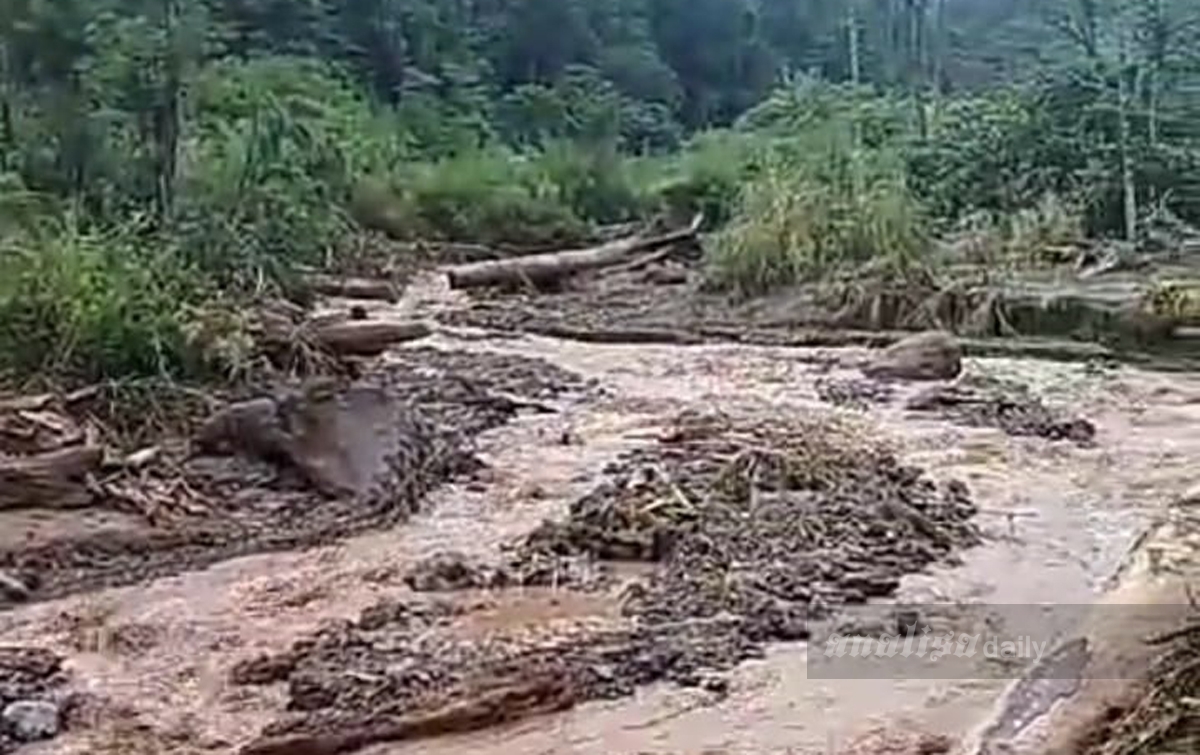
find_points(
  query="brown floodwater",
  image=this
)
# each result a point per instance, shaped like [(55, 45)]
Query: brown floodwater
[(1059, 521)]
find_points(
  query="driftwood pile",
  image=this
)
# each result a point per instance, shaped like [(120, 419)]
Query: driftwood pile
[(765, 520), (983, 401), (297, 465), (47, 460), (753, 526)]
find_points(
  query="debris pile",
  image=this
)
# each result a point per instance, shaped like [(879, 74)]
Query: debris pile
[(400, 672), (1167, 717), (854, 393), (293, 468), (765, 520), (749, 528), (984, 401), (449, 571)]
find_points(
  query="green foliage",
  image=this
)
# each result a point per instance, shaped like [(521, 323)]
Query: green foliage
[(707, 177), (815, 208), (596, 184), (268, 176), (501, 197), (989, 153), (489, 197), (803, 103), (90, 305), (239, 137)]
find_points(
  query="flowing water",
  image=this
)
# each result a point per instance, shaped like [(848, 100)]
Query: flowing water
[(1059, 520)]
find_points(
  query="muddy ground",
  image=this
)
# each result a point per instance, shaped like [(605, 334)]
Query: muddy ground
[(755, 528), (380, 445), (589, 548)]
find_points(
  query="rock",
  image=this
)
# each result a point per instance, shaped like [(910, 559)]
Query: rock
[(12, 588), (933, 355), (715, 684), (1191, 497), (31, 720)]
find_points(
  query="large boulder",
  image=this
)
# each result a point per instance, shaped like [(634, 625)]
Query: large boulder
[(933, 355)]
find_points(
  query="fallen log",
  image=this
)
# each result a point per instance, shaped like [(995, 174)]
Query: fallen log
[(25, 403), (367, 337), (539, 269), (351, 288), (548, 693), (58, 479)]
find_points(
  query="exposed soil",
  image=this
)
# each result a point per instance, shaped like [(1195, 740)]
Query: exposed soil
[(380, 444)]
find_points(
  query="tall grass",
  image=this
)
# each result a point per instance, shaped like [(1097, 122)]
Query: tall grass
[(498, 196), (1028, 237), (817, 208), (90, 305), (706, 177)]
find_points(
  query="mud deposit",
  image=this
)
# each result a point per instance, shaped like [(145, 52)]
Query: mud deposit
[(752, 528), (293, 469), (854, 393), (984, 401)]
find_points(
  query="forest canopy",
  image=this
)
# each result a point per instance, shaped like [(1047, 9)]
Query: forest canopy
[(157, 153)]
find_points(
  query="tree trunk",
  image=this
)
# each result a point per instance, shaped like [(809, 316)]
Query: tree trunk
[(367, 337), (351, 287), (852, 32), (541, 269), (57, 479), (1127, 182)]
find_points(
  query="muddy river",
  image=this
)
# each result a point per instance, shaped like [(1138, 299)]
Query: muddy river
[(1057, 518)]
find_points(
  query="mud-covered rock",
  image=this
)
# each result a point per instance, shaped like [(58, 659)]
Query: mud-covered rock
[(31, 720), (933, 355), (29, 680)]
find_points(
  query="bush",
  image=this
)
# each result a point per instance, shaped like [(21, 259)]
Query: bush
[(707, 177), (551, 196), (1021, 238), (258, 203), (489, 197), (596, 182), (90, 306), (798, 223), (264, 185)]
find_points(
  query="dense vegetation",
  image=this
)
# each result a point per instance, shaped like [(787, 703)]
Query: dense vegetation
[(157, 156)]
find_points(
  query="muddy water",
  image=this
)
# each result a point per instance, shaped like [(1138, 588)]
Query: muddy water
[(160, 653)]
